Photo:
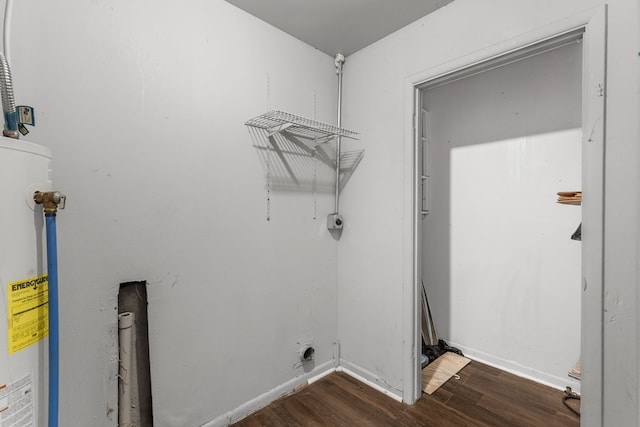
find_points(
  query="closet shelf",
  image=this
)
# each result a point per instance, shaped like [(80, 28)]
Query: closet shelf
[(281, 122)]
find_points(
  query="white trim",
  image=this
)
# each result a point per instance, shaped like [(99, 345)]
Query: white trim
[(294, 385), (537, 47), (368, 378), (505, 46), (518, 369), (411, 313), (321, 375), (594, 86), (265, 399)]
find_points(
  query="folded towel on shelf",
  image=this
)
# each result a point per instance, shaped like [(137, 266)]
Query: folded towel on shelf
[(570, 197)]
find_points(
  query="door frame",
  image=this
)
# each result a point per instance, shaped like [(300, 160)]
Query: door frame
[(593, 23)]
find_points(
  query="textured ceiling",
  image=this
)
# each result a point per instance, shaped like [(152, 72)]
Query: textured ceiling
[(339, 26)]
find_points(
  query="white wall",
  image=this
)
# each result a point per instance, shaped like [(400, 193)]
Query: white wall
[(502, 275), (143, 105), (514, 291), (376, 246)]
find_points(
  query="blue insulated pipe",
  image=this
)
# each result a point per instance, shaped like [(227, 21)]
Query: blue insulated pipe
[(51, 201), (54, 356)]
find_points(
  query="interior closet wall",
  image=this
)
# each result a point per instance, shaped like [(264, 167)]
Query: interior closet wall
[(502, 275)]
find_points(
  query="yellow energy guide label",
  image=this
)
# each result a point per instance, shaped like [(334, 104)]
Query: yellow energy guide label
[(28, 312)]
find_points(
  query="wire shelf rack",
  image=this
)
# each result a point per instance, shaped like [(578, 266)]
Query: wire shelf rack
[(279, 121)]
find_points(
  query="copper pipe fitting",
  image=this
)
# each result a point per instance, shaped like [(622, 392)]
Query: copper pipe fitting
[(50, 200)]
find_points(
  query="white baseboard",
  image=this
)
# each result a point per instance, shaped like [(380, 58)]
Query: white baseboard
[(266, 398), (369, 378), (380, 385), (515, 368), (321, 375)]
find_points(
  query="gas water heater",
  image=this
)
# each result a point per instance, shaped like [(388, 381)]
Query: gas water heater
[(24, 328)]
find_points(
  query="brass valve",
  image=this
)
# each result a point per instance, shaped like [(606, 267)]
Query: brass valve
[(50, 200)]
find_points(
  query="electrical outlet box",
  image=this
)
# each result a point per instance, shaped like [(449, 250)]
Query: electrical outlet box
[(25, 115), (335, 221)]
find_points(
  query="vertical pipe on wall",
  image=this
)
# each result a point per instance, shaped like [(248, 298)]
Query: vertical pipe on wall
[(339, 62), (8, 102), (8, 7)]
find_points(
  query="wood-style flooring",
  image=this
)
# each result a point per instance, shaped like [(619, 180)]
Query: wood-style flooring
[(483, 396)]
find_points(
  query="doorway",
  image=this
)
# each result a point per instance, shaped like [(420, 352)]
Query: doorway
[(499, 268), (590, 39)]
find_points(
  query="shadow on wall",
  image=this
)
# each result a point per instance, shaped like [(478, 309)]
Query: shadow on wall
[(535, 96), (294, 164)]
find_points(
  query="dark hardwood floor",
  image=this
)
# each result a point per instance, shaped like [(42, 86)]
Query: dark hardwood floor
[(483, 396)]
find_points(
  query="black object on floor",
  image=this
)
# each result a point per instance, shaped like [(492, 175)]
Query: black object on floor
[(434, 351), (577, 235)]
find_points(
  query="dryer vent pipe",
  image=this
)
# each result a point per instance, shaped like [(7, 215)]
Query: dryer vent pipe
[(126, 337)]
